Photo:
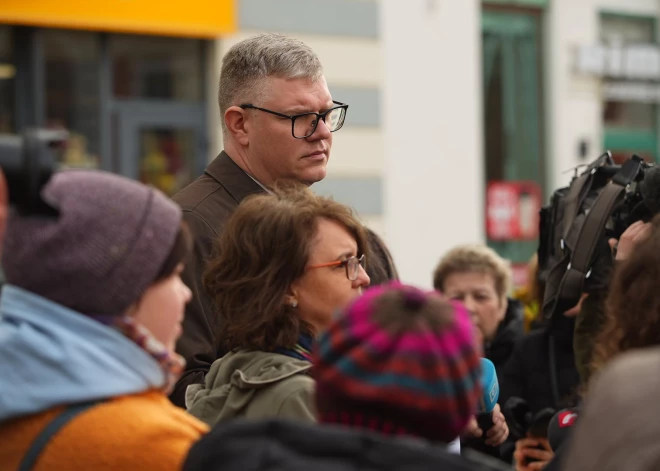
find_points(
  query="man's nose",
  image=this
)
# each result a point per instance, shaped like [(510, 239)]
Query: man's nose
[(322, 131)]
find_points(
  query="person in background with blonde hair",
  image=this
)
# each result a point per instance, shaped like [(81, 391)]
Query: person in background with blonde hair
[(477, 276)]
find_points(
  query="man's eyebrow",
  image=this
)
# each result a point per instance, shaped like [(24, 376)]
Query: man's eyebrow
[(298, 109)]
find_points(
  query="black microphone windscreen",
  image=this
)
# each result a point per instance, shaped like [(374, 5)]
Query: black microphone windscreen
[(518, 416)]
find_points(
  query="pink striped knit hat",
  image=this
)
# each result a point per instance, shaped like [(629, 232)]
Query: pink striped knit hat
[(400, 361)]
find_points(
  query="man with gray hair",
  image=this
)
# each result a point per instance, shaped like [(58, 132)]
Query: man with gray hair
[(277, 120)]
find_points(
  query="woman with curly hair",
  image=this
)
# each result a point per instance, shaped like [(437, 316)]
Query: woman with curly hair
[(632, 307), (285, 263)]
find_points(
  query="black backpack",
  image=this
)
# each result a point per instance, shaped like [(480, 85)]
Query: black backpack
[(574, 256)]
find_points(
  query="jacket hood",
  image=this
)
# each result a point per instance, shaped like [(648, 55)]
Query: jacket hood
[(234, 379), (51, 355), (279, 445)]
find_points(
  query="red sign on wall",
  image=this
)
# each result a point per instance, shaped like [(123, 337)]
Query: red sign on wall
[(512, 210)]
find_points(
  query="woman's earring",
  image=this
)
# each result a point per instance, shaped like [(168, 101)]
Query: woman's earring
[(294, 303)]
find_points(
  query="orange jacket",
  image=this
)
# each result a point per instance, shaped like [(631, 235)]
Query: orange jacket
[(143, 431)]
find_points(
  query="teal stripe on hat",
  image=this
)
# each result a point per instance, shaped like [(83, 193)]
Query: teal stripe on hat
[(445, 386)]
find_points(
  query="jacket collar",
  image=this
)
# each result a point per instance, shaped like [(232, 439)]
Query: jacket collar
[(232, 178), (51, 355)]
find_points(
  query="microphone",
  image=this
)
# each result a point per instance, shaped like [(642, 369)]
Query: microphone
[(491, 393), (561, 426)]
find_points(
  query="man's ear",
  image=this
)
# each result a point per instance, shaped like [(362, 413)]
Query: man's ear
[(235, 120)]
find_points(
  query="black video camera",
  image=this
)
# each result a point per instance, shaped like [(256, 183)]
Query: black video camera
[(641, 200), (28, 161)]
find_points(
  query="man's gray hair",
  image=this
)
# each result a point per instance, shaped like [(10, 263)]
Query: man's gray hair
[(252, 60)]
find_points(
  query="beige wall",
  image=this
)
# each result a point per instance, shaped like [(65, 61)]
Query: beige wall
[(433, 131), (350, 62)]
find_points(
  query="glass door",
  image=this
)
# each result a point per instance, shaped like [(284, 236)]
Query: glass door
[(512, 107), (159, 144)]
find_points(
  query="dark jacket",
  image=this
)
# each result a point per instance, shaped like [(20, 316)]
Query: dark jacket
[(207, 204), (542, 372), (542, 369), (277, 445), (509, 332)]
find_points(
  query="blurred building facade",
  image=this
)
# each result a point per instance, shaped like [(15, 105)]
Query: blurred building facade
[(485, 98), (446, 96)]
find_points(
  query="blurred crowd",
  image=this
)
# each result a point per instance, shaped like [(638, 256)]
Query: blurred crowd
[(248, 323)]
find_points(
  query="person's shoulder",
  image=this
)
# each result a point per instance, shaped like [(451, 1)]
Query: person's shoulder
[(203, 191), (150, 413), (143, 431), (628, 379), (613, 430), (292, 396)]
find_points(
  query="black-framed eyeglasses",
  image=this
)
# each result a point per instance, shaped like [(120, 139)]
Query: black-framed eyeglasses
[(304, 125), (352, 265)]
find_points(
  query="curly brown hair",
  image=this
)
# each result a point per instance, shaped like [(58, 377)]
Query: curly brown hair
[(632, 307), (262, 250)]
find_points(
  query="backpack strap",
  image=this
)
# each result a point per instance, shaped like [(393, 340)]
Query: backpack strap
[(54, 426), (578, 191), (579, 269), (570, 206), (573, 201)]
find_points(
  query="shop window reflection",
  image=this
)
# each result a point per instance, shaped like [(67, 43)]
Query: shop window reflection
[(156, 68), (7, 81), (166, 158), (72, 81)]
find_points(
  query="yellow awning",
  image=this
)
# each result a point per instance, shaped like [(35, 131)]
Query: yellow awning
[(190, 18)]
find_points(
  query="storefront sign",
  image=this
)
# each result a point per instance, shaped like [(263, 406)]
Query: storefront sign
[(631, 72), (512, 210), (193, 18)]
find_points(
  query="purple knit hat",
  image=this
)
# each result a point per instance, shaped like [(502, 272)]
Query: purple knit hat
[(399, 361), (103, 251)]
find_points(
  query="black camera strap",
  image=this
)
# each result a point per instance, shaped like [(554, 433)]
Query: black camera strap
[(579, 267)]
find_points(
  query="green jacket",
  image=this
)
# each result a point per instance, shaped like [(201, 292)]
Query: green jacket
[(253, 385)]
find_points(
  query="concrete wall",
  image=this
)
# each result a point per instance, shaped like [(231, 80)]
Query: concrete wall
[(432, 125)]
